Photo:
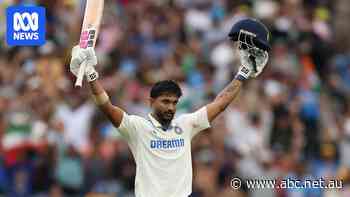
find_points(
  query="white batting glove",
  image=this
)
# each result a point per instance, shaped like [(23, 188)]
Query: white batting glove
[(244, 73), (249, 69), (79, 55)]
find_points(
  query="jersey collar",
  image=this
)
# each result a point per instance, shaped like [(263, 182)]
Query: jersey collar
[(156, 124)]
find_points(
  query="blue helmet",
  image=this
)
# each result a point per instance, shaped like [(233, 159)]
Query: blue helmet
[(251, 33)]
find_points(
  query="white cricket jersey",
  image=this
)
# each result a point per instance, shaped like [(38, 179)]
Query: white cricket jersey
[(163, 158)]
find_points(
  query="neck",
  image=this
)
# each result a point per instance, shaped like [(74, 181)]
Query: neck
[(165, 124)]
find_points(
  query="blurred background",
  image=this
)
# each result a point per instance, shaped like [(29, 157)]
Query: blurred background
[(291, 122)]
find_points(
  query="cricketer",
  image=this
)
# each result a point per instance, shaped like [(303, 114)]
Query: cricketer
[(160, 143)]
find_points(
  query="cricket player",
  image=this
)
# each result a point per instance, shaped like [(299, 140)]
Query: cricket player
[(160, 143)]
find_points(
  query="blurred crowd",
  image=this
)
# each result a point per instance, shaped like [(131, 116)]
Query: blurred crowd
[(293, 121)]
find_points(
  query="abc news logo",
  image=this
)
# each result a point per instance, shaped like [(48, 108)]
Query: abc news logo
[(29, 29), (25, 25)]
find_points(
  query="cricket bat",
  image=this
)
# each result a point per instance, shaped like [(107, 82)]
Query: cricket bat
[(89, 31)]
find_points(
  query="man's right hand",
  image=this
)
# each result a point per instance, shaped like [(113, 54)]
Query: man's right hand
[(79, 55)]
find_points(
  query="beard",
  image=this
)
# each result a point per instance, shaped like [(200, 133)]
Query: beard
[(168, 116), (165, 117)]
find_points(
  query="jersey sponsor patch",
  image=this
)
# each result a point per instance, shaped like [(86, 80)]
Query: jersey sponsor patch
[(167, 144)]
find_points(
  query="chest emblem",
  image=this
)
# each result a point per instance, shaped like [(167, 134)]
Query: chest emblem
[(178, 130)]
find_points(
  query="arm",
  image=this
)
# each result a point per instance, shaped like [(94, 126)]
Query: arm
[(99, 95), (251, 67), (114, 114), (223, 99), (200, 119)]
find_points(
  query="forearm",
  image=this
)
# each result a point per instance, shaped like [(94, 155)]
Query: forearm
[(223, 99), (98, 93), (228, 94), (96, 88), (101, 99)]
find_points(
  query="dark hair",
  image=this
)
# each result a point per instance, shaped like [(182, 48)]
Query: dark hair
[(166, 86)]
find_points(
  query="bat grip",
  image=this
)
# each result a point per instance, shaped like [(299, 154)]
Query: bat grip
[(80, 77)]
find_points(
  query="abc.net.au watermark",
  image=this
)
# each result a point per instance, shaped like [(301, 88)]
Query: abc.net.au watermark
[(236, 183)]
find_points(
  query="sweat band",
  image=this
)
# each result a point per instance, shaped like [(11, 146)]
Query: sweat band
[(100, 99)]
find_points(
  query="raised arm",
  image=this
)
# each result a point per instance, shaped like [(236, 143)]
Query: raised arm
[(223, 99), (251, 67), (98, 94), (100, 97)]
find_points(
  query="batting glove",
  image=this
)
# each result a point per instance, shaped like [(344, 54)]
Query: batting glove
[(80, 55), (251, 67)]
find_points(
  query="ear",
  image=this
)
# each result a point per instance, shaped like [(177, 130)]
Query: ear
[(151, 101)]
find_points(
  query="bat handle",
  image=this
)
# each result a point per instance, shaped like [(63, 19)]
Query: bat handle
[(80, 77)]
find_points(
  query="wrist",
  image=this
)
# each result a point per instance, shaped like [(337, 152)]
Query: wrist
[(240, 77), (243, 73), (91, 75), (101, 98)]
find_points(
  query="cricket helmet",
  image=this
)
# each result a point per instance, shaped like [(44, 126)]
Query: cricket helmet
[(250, 33)]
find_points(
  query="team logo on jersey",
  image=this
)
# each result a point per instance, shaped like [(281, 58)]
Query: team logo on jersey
[(25, 25), (178, 130)]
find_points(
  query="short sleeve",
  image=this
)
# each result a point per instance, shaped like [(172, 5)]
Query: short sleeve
[(127, 127), (198, 121)]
